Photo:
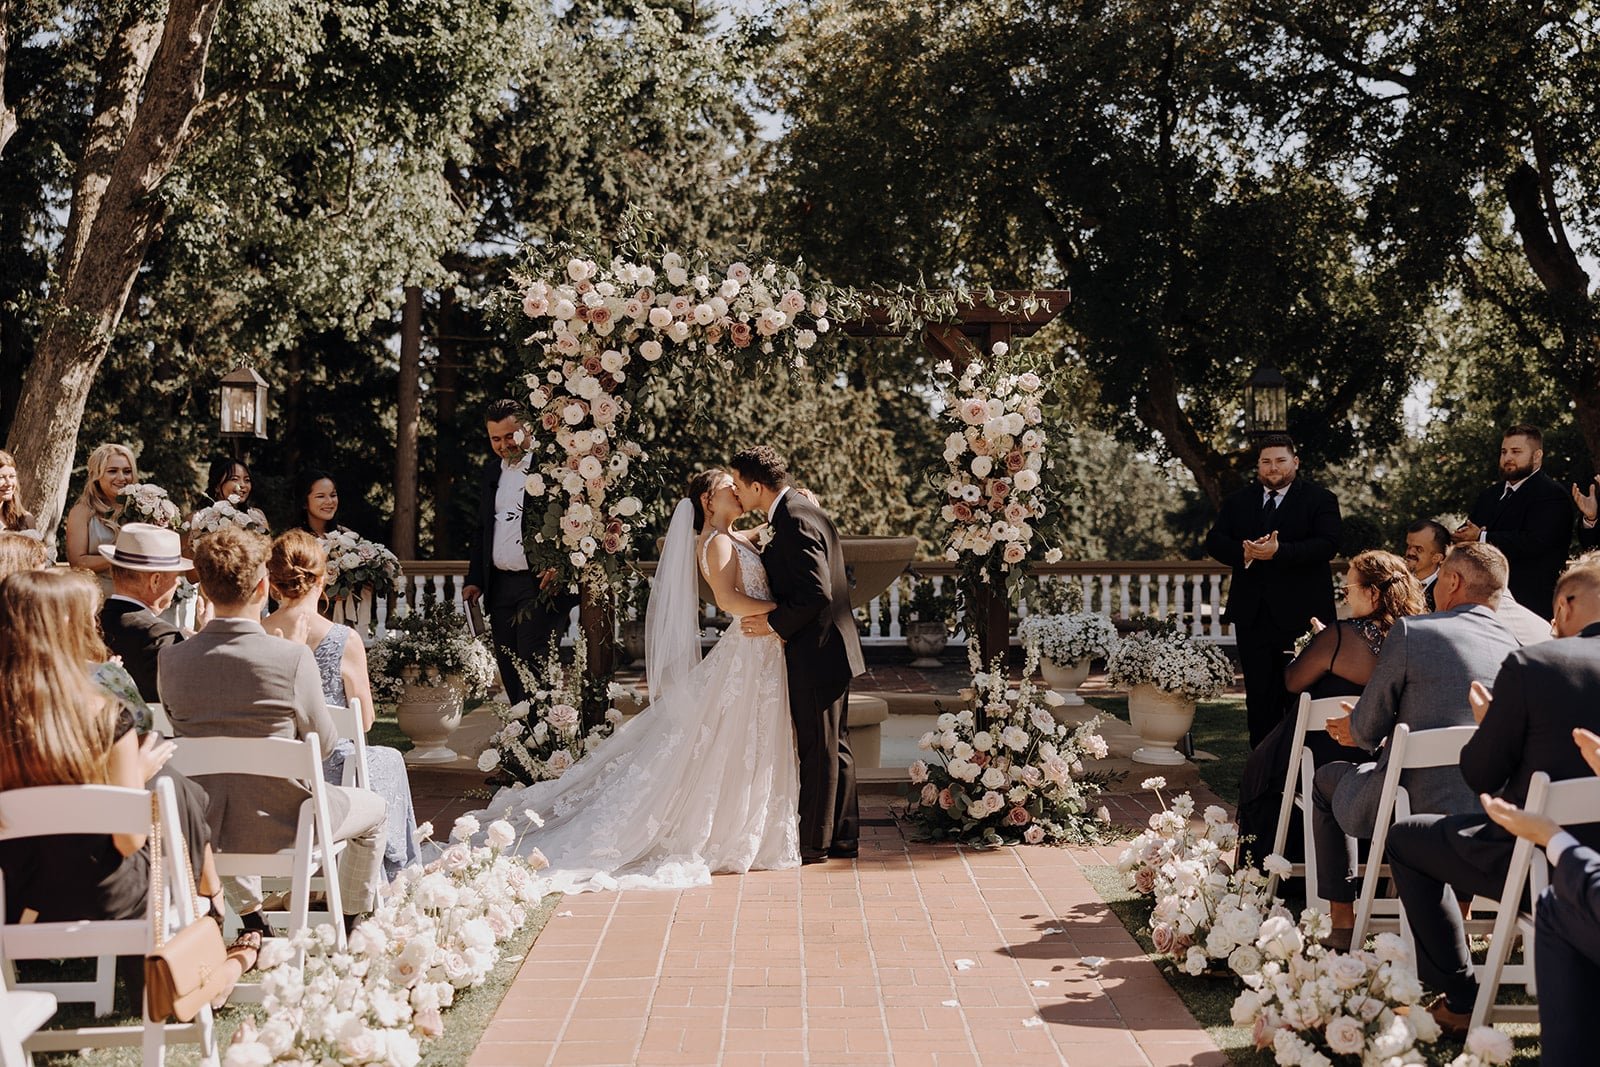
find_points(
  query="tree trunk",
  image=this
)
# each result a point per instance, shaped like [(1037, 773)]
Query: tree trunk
[(597, 618), (114, 218), (403, 538), (446, 457), (1159, 409)]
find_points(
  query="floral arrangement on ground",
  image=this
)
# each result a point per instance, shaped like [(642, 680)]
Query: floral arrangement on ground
[(542, 737), (1005, 771), (430, 646), (1162, 655), (1310, 1005), (1069, 639), (354, 563), (436, 930)]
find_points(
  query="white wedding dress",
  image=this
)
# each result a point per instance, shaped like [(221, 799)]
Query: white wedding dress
[(705, 780)]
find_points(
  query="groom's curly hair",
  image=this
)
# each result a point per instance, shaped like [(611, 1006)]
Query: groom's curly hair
[(761, 464)]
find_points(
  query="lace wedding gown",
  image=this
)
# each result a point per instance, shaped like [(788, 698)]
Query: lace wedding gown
[(704, 780)]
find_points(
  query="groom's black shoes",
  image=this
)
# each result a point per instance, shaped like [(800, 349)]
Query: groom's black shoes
[(845, 851), (808, 858)]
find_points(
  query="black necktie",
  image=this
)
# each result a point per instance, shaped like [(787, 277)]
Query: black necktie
[(1508, 491), (1269, 509)]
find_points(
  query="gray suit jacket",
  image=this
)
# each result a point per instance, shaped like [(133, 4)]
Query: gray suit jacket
[(1421, 679), (233, 679)]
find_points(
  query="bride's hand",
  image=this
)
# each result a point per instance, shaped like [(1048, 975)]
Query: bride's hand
[(755, 626)]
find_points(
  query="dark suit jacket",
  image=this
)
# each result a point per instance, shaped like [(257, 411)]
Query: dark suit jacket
[(1541, 694), (805, 567), (1576, 881), (1289, 590), (480, 553), (1533, 527), (135, 633)]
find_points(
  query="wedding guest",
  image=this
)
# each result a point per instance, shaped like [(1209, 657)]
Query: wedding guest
[(1566, 923), (1588, 506), (229, 479), (93, 520), (1278, 535), (1527, 516), (146, 563), (1427, 542), (1337, 662), (318, 495), (1527, 627), (524, 616), (1525, 725), (1427, 663), (58, 728), (273, 690), (13, 516), (298, 572), (19, 552)]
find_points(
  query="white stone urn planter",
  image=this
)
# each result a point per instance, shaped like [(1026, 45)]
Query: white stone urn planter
[(1065, 679), (1160, 719), (926, 640), (429, 712)]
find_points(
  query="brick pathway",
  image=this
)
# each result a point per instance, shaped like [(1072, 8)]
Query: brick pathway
[(914, 954)]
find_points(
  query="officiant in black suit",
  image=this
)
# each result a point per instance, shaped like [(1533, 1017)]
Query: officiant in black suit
[(806, 569), (1279, 535), (1526, 515), (523, 616)]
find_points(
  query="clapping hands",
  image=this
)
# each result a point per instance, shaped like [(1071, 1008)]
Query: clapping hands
[(1587, 503), (1261, 548)]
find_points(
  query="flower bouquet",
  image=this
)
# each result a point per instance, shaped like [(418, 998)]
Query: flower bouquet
[(1008, 772), (145, 502), (1163, 656), (354, 563), (436, 929), (1171, 838), (430, 647), (1068, 639), (544, 736), (214, 517)]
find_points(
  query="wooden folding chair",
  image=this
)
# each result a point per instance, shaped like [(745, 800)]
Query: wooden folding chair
[(1570, 802), (100, 810), (1311, 715)]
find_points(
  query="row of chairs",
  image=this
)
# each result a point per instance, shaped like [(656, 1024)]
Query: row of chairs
[(311, 863), (1572, 802)]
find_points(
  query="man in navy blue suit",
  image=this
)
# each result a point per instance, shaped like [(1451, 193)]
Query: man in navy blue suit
[(1566, 957)]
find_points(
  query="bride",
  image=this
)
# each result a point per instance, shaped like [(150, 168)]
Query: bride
[(705, 779)]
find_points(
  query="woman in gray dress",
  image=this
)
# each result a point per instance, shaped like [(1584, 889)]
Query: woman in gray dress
[(95, 518), (297, 570)]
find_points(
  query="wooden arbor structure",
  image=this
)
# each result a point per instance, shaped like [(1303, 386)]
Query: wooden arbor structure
[(978, 327)]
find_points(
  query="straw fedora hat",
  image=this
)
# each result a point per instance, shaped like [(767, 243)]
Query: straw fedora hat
[(143, 547)]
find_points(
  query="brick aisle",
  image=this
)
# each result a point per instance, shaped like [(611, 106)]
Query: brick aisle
[(915, 954)]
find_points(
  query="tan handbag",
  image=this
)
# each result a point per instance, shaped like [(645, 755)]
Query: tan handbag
[(184, 974)]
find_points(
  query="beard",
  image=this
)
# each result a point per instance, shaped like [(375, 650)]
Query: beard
[(1512, 472), (1276, 481)]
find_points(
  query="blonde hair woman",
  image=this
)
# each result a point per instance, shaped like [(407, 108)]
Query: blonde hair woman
[(94, 519), (57, 727), (13, 516)]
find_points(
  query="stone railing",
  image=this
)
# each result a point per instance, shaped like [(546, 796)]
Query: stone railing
[(1193, 590)]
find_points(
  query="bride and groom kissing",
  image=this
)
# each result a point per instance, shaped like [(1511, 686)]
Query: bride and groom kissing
[(742, 760)]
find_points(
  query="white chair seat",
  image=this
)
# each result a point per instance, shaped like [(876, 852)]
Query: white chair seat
[(1310, 715)]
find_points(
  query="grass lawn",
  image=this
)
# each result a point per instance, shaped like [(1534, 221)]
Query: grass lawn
[(1219, 728), (464, 1022)]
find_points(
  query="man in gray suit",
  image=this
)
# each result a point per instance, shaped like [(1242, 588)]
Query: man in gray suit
[(1421, 679), (233, 679)]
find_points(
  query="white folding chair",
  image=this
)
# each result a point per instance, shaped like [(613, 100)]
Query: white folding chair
[(1570, 802), (1311, 715), (347, 723), (159, 721), (99, 810), (1408, 750), (314, 849), (22, 1012)]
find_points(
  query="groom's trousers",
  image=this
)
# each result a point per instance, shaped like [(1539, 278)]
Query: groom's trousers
[(829, 817)]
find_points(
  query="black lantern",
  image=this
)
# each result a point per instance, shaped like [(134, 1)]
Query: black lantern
[(244, 404), (1266, 402)]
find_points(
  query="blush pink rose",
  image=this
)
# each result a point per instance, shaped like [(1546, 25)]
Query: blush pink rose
[(946, 799), (739, 334), (1018, 817)]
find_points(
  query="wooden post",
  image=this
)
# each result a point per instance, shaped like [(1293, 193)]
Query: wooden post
[(403, 536), (597, 618)]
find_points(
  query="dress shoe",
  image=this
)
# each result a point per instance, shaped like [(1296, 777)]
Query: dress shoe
[(1453, 1023), (807, 859), (845, 852), (1338, 940)]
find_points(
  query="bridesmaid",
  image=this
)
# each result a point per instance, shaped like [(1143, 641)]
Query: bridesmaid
[(318, 495), (94, 519), (13, 516), (227, 479)]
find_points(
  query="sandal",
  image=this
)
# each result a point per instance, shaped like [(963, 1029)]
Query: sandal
[(246, 948)]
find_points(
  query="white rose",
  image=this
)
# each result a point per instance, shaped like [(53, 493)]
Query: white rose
[(534, 485), (464, 828), (918, 772), (488, 759), (1025, 481), (650, 351), (1490, 1045), (994, 778), (247, 1054), (660, 318), (1346, 1036), (500, 834), (628, 506), (981, 466)]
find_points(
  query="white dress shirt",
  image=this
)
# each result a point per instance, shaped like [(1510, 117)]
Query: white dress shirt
[(772, 508), (1557, 845), (508, 496)]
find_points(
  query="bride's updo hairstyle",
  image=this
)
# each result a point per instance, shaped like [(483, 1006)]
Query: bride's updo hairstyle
[(699, 486), (296, 562)]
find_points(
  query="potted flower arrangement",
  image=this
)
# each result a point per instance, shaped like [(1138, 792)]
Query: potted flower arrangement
[(1066, 644), (925, 619), (427, 666), (1005, 771), (1166, 672), (545, 735)]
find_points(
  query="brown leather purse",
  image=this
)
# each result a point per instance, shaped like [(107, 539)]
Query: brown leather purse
[(188, 971)]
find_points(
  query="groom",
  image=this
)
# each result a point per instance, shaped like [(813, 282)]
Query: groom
[(805, 567)]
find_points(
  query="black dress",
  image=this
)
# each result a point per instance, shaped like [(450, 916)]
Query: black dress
[(83, 876), (1261, 784)]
